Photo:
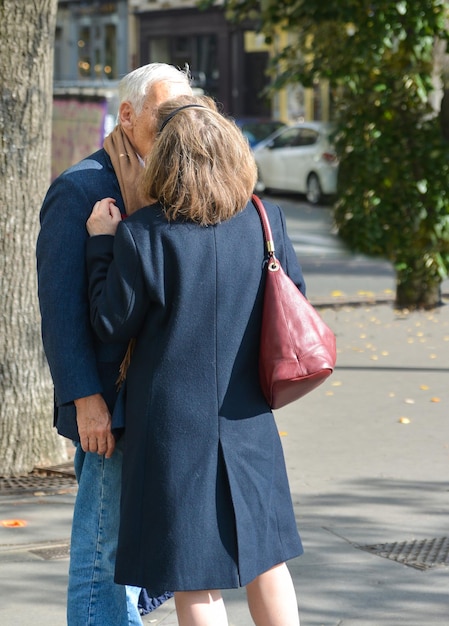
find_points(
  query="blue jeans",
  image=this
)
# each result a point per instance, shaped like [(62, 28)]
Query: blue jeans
[(93, 598)]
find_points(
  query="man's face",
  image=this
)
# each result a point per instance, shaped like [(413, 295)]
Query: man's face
[(141, 129)]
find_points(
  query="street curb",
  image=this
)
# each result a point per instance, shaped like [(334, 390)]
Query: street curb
[(337, 302), (371, 300)]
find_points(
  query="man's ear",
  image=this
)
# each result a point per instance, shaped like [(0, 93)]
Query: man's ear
[(126, 115)]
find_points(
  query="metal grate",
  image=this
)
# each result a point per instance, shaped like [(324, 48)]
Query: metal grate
[(50, 480), (53, 553), (421, 554)]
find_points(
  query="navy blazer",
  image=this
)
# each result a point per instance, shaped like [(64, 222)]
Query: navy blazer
[(80, 364)]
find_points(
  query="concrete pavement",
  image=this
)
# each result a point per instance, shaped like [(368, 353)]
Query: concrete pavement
[(368, 459)]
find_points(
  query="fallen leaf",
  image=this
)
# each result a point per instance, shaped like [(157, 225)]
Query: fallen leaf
[(424, 387), (404, 420), (13, 523), (409, 401), (370, 294), (435, 399)]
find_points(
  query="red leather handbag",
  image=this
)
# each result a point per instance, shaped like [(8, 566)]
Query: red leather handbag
[(297, 349)]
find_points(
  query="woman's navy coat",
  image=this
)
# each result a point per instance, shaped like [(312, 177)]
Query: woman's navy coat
[(205, 498)]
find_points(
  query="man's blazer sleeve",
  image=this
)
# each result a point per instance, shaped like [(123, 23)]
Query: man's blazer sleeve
[(62, 288)]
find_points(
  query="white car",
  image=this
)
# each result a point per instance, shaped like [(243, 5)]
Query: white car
[(298, 158)]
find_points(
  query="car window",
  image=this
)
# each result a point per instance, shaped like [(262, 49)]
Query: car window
[(295, 137), (249, 135), (307, 137), (286, 139), (259, 130)]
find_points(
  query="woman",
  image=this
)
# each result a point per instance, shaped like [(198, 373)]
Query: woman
[(205, 503)]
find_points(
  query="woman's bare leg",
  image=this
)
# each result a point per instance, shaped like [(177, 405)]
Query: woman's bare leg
[(272, 599), (200, 608)]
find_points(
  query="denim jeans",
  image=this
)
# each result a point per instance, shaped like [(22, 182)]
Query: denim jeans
[(93, 598)]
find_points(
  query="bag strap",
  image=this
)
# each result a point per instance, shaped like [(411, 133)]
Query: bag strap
[(273, 264), (269, 242)]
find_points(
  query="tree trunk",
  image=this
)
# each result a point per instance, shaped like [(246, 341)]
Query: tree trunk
[(444, 114), (26, 75), (417, 287)]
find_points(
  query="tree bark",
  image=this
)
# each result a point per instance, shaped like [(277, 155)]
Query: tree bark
[(26, 76), (417, 287)]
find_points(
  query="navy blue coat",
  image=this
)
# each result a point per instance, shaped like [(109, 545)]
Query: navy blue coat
[(80, 363), (205, 497)]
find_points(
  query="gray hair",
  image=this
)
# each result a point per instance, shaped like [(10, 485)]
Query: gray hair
[(134, 86)]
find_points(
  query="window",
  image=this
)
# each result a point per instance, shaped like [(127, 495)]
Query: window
[(288, 139), (199, 52), (307, 137), (97, 45)]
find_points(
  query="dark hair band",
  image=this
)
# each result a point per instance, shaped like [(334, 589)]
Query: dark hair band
[(173, 113)]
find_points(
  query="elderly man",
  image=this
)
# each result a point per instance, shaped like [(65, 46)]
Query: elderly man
[(85, 370)]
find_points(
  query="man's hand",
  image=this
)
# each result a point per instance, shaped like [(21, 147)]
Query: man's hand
[(94, 425), (104, 219)]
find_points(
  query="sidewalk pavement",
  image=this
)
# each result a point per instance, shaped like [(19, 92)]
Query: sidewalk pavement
[(368, 459)]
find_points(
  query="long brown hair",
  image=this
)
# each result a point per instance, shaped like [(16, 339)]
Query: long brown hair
[(201, 167)]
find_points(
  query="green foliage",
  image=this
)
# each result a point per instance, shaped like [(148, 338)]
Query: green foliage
[(377, 55), (394, 181)]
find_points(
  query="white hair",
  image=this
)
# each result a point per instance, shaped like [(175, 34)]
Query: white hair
[(134, 86)]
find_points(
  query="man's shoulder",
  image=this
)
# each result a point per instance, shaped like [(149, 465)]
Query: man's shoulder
[(82, 184), (92, 175), (96, 162)]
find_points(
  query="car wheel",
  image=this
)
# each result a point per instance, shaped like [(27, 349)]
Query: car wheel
[(314, 194)]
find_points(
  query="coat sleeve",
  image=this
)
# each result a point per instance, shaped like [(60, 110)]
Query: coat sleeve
[(117, 292), (62, 288)]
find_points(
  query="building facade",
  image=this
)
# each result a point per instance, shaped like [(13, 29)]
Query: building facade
[(98, 41), (91, 41), (215, 51)]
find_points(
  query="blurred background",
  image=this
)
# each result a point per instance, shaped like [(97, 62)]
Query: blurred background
[(98, 41)]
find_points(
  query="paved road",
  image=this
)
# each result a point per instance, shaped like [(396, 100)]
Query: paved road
[(368, 453), (328, 266), (367, 456)]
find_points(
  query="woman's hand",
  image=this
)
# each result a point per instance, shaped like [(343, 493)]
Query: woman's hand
[(104, 219)]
